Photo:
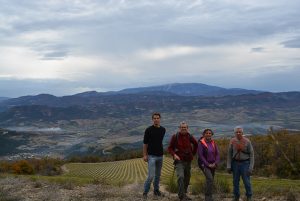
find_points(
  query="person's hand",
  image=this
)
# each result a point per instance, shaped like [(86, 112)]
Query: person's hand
[(212, 166), (229, 170), (145, 158), (176, 157), (249, 173)]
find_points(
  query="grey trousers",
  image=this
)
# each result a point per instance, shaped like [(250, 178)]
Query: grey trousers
[(183, 172), (209, 176)]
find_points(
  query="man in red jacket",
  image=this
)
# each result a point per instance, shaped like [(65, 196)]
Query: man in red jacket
[(182, 147)]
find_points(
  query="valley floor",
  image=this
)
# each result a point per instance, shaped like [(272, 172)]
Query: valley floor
[(25, 189)]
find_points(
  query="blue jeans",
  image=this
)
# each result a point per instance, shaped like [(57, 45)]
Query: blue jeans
[(154, 171), (240, 169)]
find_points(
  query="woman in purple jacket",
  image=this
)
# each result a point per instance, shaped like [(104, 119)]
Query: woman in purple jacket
[(208, 159)]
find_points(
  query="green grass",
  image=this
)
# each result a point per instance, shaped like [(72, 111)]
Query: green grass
[(261, 186), (278, 186)]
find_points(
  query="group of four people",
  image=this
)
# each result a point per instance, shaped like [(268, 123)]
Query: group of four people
[(183, 146)]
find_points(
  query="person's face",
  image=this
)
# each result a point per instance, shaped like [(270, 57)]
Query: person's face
[(156, 120), (239, 133), (183, 128), (207, 135)]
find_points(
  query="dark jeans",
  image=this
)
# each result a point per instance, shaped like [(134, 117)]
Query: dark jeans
[(183, 172), (209, 176), (240, 169)]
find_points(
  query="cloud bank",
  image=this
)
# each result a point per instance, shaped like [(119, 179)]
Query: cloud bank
[(65, 47)]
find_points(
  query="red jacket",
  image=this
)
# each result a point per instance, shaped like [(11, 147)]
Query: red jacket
[(185, 147)]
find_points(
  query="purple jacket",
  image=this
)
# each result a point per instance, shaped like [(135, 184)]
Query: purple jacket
[(208, 155)]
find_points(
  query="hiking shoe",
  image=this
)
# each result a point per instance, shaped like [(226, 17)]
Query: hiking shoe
[(182, 199), (187, 198), (144, 196), (158, 193), (236, 199), (208, 198)]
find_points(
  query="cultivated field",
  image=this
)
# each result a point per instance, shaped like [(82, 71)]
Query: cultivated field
[(129, 171)]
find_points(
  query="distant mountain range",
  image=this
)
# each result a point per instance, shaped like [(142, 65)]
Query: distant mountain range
[(95, 121), (191, 89), (140, 101), (51, 108), (181, 89)]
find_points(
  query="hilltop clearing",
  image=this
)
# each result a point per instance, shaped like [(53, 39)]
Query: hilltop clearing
[(25, 189)]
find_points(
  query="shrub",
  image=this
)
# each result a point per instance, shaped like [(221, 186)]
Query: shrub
[(22, 167), (5, 167), (198, 187), (47, 166), (172, 185), (222, 185)]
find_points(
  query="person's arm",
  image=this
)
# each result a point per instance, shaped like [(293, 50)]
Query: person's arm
[(145, 153), (217, 155), (145, 146), (201, 155), (171, 148), (195, 145), (229, 158), (251, 157)]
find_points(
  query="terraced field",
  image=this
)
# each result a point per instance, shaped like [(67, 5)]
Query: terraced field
[(129, 171)]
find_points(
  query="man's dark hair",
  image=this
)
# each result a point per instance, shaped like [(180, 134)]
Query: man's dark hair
[(156, 114)]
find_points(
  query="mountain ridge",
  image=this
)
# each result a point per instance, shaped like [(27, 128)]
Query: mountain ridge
[(192, 89), (175, 89)]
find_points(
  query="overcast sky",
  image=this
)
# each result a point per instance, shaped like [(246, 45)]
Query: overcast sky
[(66, 47)]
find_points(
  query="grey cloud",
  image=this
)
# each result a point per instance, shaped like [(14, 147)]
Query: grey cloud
[(119, 29), (54, 56), (257, 49), (149, 24), (276, 82), (294, 43), (51, 51)]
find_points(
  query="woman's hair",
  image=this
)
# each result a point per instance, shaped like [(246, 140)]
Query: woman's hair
[(208, 129)]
